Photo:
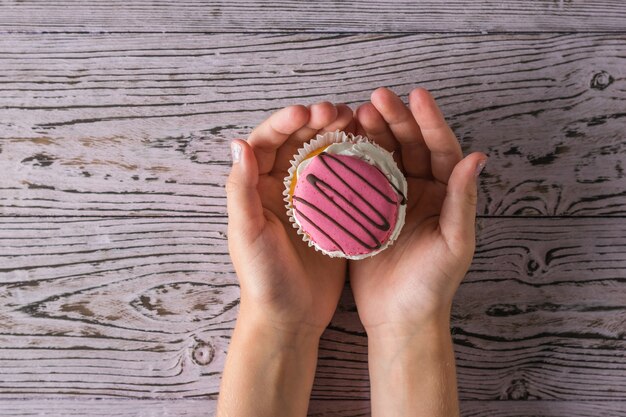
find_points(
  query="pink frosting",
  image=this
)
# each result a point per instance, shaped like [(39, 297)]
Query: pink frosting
[(345, 204)]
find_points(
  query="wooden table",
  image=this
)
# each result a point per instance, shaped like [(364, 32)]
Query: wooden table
[(117, 296)]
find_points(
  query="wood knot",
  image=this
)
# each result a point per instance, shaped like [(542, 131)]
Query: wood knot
[(531, 267), (203, 353), (518, 390), (504, 310), (186, 302), (39, 160), (601, 80)]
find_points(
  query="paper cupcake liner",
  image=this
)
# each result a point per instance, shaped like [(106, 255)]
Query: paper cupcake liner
[(386, 165)]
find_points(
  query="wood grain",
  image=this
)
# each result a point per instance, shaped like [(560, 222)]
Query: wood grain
[(77, 406), (542, 408), (117, 295), (203, 408), (139, 124), (144, 308), (320, 16)]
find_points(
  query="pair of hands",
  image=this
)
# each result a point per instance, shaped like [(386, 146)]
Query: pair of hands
[(289, 287)]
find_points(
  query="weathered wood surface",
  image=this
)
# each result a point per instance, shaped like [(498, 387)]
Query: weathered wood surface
[(144, 307), (117, 296), (318, 16), (139, 124), (204, 408), (542, 408), (152, 408), (108, 408)]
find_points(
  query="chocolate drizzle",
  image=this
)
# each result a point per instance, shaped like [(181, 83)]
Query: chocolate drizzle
[(336, 223), (403, 199), (325, 189), (319, 228)]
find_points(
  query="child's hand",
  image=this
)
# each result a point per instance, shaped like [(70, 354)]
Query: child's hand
[(285, 285), (404, 293), (411, 284)]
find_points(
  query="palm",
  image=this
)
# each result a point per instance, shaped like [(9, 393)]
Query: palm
[(302, 277), (292, 282), (417, 276), (382, 282)]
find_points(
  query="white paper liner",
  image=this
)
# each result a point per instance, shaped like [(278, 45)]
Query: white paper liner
[(372, 154)]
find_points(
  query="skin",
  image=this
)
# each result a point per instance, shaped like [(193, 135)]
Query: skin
[(289, 292), (404, 294)]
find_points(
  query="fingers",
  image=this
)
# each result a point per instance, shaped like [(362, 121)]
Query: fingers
[(445, 151), (344, 120), (266, 138), (277, 139), (375, 127), (321, 115), (352, 125), (458, 213), (372, 125), (405, 129), (245, 211), (325, 117)]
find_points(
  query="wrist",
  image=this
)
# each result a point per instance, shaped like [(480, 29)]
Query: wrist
[(272, 365), (435, 322), (267, 329), (412, 371), (395, 338)]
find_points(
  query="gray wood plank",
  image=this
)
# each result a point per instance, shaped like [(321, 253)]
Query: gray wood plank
[(78, 406), (139, 124), (202, 408), (144, 308), (324, 16), (542, 408)]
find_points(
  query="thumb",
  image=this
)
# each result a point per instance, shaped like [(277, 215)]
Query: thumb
[(458, 213), (245, 211)]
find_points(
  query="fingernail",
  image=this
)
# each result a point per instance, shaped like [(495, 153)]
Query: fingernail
[(235, 149), (480, 166)]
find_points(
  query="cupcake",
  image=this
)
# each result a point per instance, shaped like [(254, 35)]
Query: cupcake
[(345, 196)]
